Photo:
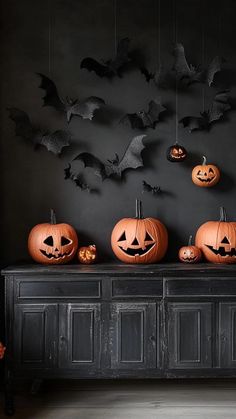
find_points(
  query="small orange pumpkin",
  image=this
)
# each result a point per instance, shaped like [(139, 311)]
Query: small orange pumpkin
[(217, 240), (176, 153), (205, 175), (139, 240), (52, 243), (87, 255), (190, 253)]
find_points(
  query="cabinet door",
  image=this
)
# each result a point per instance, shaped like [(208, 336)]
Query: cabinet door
[(133, 336), (80, 335), (189, 335), (35, 335), (227, 335)]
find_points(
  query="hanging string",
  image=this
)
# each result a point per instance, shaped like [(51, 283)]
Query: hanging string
[(158, 34), (175, 36), (203, 57), (49, 36), (115, 25)]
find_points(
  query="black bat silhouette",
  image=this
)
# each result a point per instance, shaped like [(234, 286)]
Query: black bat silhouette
[(71, 107), (155, 190), (191, 74), (143, 119), (113, 67), (219, 106), (131, 159), (160, 77), (76, 178), (54, 141)]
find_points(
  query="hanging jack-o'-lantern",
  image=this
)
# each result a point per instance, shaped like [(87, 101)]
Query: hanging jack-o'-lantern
[(87, 254), (2, 350), (217, 240), (205, 175), (176, 153), (190, 253), (52, 243), (139, 240)]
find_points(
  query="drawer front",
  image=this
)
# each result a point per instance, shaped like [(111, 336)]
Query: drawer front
[(200, 286), (137, 288), (57, 288)]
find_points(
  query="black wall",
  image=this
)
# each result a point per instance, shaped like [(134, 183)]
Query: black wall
[(33, 181)]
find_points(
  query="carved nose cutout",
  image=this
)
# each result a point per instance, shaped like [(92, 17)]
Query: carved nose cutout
[(225, 240), (135, 242)]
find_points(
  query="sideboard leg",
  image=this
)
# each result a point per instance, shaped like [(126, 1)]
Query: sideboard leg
[(9, 397), (35, 387)]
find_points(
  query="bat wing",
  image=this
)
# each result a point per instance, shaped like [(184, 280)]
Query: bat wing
[(153, 189), (134, 119), (86, 108), (180, 64), (148, 76), (23, 126), (219, 106), (194, 123), (154, 111), (132, 158), (90, 160), (56, 141), (214, 67), (51, 97), (93, 65)]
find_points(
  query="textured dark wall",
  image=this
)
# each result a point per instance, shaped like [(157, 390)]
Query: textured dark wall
[(33, 181)]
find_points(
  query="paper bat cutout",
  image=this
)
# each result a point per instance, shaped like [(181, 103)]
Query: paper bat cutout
[(159, 77), (219, 106), (77, 179), (191, 74), (71, 107), (113, 67), (143, 119), (131, 159), (54, 141), (154, 190)]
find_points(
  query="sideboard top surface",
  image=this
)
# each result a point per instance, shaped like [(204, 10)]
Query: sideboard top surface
[(162, 269)]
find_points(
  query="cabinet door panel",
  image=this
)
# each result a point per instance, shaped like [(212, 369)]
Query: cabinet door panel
[(227, 335), (189, 335), (80, 335), (133, 336), (35, 339)]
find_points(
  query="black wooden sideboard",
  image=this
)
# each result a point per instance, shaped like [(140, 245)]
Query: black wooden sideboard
[(119, 321)]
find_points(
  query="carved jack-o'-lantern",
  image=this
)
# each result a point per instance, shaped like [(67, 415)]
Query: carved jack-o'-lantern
[(205, 175), (217, 240), (190, 253), (87, 254), (52, 243), (139, 240), (176, 153)]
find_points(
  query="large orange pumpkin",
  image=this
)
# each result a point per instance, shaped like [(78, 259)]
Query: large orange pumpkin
[(205, 175), (217, 240), (139, 240), (52, 243)]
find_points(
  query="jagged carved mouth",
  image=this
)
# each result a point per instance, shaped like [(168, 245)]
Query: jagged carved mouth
[(208, 180), (52, 256), (138, 252), (222, 252), (190, 259)]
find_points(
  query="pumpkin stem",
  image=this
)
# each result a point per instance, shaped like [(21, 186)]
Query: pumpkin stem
[(53, 216), (223, 216), (190, 240), (204, 160), (139, 212)]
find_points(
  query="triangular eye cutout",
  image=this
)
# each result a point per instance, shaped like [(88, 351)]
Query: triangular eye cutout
[(148, 238), (225, 240), (211, 170), (49, 241), (122, 237), (65, 241)]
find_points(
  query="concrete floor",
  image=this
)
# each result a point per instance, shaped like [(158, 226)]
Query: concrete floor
[(213, 399)]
